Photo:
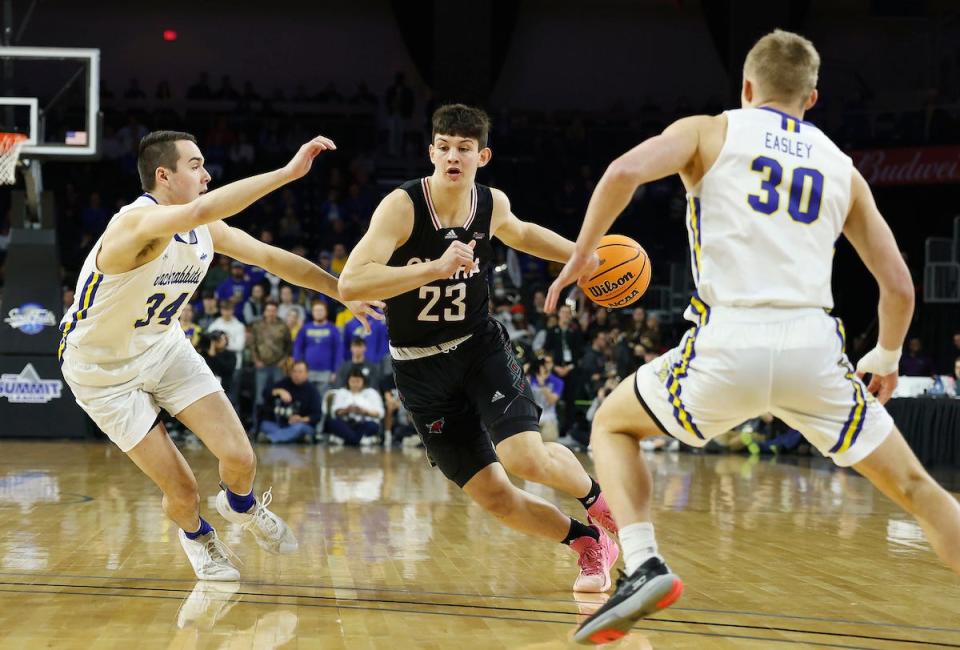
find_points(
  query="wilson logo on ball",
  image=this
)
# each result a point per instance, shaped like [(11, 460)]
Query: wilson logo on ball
[(605, 287), (621, 277)]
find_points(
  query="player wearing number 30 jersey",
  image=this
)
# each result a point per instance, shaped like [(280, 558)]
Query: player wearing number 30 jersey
[(768, 196), (427, 254)]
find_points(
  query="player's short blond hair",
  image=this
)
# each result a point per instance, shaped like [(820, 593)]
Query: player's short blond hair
[(784, 66)]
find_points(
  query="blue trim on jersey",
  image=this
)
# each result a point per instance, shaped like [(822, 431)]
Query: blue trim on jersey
[(788, 122), (87, 296), (192, 235), (858, 412), (150, 196), (679, 369)]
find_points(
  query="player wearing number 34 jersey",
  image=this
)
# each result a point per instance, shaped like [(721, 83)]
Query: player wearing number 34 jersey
[(125, 357), (427, 254)]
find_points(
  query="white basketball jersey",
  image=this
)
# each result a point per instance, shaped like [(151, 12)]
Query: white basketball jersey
[(764, 219), (117, 317)]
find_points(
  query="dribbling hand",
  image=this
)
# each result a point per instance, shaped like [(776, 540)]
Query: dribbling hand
[(576, 267), (302, 161), (456, 256)]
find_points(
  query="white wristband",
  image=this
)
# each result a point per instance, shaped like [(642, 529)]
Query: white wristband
[(880, 361)]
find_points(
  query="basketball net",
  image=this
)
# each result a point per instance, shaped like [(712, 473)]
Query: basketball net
[(10, 144)]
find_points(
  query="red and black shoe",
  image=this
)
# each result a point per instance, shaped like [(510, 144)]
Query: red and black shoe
[(647, 590)]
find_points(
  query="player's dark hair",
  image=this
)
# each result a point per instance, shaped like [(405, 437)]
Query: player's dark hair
[(158, 149), (463, 121)]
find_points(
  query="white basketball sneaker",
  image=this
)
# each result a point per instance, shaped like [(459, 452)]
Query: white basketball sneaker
[(209, 557), (271, 532)]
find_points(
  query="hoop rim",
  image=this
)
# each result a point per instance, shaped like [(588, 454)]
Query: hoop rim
[(11, 139)]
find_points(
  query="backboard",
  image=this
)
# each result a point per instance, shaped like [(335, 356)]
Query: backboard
[(52, 94)]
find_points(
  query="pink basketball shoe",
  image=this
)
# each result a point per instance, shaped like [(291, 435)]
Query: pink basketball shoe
[(596, 559)]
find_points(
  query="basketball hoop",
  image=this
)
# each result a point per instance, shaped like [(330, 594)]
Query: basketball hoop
[(10, 144)]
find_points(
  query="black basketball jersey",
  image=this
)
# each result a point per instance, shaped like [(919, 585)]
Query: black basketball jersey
[(444, 309)]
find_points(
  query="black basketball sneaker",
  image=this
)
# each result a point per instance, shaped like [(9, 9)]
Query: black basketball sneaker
[(650, 588)]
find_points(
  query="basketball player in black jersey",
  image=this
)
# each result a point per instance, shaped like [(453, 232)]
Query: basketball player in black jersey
[(427, 254)]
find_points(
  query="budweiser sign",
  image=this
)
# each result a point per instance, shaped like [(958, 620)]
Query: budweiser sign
[(911, 166)]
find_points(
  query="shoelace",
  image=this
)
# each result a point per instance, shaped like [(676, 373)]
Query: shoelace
[(592, 560), (263, 518), (218, 552)]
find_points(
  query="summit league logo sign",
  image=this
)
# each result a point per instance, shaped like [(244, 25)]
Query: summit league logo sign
[(28, 387)]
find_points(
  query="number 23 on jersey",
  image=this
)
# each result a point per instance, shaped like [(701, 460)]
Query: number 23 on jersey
[(457, 311)]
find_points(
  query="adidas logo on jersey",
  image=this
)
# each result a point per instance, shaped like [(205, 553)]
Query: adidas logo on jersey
[(450, 235), (496, 396)]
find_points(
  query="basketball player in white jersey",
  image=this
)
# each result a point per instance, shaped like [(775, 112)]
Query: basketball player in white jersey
[(768, 195), (123, 353)]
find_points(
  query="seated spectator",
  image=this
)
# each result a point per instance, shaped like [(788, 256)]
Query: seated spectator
[(318, 344), (357, 412), (547, 389), (222, 362), (296, 407), (358, 352), (915, 363), (397, 419), (253, 306)]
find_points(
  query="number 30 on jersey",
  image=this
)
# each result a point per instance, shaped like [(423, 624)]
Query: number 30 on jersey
[(804, 192)]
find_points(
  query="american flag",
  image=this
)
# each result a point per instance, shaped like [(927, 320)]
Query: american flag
[(76, 137)]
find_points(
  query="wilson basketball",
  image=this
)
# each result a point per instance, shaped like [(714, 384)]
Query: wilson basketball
[(623, 275)]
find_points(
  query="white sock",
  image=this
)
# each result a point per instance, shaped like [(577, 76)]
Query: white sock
[(638, 543)]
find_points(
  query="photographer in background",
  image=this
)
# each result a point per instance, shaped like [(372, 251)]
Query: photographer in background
[(292, 407)]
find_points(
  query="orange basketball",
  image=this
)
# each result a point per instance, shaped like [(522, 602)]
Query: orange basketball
[(623, 275)]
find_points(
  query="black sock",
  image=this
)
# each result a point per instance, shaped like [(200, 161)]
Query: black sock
[(592, 495), (578, 530)]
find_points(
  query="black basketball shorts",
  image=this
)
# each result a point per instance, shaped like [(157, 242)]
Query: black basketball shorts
[(466, 400)]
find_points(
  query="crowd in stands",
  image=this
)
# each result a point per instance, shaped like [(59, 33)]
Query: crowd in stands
[(297, 365)]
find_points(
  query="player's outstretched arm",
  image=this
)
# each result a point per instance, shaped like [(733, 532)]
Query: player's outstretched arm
[(525, 236), (874, 242), (237, 244), (366, 275), (163, 221), (655, 158)]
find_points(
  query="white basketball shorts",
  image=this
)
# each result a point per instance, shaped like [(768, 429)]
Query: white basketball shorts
[(171, 376), (737, 364)]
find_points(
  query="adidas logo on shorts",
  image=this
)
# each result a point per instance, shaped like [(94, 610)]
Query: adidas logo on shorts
[(497, 395)]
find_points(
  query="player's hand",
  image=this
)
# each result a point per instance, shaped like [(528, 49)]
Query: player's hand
[(456, 256), (882, 365), (578, 266), (302, 161), (364, 309)]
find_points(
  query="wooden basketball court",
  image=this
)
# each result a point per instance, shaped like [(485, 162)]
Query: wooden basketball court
[(392, 556)]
